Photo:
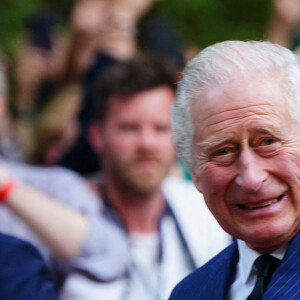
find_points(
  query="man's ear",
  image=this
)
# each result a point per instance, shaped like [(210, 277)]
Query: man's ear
[(196, 181), (95, 136)]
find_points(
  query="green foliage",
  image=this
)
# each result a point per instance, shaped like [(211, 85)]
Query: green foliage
[(205, 22), (12, 16)]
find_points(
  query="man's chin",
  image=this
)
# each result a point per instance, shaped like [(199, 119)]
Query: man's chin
[(143, 180), (145, 184), (147, 187)]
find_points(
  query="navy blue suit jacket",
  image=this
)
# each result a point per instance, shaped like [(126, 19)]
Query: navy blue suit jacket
[(213, 280), (23, 275)]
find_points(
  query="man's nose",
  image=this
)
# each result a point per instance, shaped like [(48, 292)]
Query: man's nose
[(147, 138), (251, 172)]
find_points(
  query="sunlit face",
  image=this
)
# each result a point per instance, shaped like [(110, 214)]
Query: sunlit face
[(136, 139), (247, 149)]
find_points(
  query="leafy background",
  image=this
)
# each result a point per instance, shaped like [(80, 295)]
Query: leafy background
[(201, 22)]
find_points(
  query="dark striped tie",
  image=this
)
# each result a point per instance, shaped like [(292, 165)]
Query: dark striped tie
[(265, 266)]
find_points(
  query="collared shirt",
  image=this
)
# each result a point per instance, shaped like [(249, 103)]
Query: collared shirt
[(245, 276)]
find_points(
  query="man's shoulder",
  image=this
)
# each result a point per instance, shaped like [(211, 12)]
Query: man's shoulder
[(17, 251), (23, 272), (202, 282), (7, 242), (176, 189), (187, 204), (203, 234), (172, 183)]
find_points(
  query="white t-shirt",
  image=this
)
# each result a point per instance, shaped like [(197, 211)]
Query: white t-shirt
[(158, 263)]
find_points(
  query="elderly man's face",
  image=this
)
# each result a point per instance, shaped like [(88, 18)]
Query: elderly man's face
[(247, 149)]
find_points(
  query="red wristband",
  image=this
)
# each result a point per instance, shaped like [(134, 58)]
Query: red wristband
[(6, 189)]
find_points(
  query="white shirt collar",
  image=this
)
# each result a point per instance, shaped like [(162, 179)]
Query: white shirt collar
[(248, 256)]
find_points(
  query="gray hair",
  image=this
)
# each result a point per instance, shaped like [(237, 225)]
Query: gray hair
[(220, 63)]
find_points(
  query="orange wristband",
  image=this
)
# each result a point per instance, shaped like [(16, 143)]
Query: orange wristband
[(6, 189)]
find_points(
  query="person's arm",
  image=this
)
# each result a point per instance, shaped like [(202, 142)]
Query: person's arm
[(62, 228), (32, 68), (86, 21), (92, 243)]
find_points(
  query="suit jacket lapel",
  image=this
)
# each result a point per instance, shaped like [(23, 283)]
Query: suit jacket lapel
[(223, 273), (285, 283)]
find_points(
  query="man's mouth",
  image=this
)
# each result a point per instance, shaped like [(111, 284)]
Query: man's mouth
[(261, 204)]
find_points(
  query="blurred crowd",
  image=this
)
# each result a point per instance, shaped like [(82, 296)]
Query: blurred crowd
[(108, 225), (51, 65)]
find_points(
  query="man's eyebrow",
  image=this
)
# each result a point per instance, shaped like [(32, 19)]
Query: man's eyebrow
[(207, 146), (267, 130), (212, 143), (272, 131)]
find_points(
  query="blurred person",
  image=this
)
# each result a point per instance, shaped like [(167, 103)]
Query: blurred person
[(10, 144), (100, 33), (23, 273), (48, 58), (120, 38), (35, 59), (109, 27), (132, 134), (56, 128), (236, 124), (62, 218), (284, 22), (55, 210)]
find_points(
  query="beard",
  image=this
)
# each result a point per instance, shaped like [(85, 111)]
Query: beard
[(141, 174)]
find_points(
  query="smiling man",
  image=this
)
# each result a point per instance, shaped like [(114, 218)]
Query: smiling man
[(237, 122)]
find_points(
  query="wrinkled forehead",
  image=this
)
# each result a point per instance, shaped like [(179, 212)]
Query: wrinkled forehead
[(240, 93)]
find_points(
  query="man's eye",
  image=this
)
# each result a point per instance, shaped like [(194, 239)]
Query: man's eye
[(268, 141), (223, 151), (224, 156), (268, 146)]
